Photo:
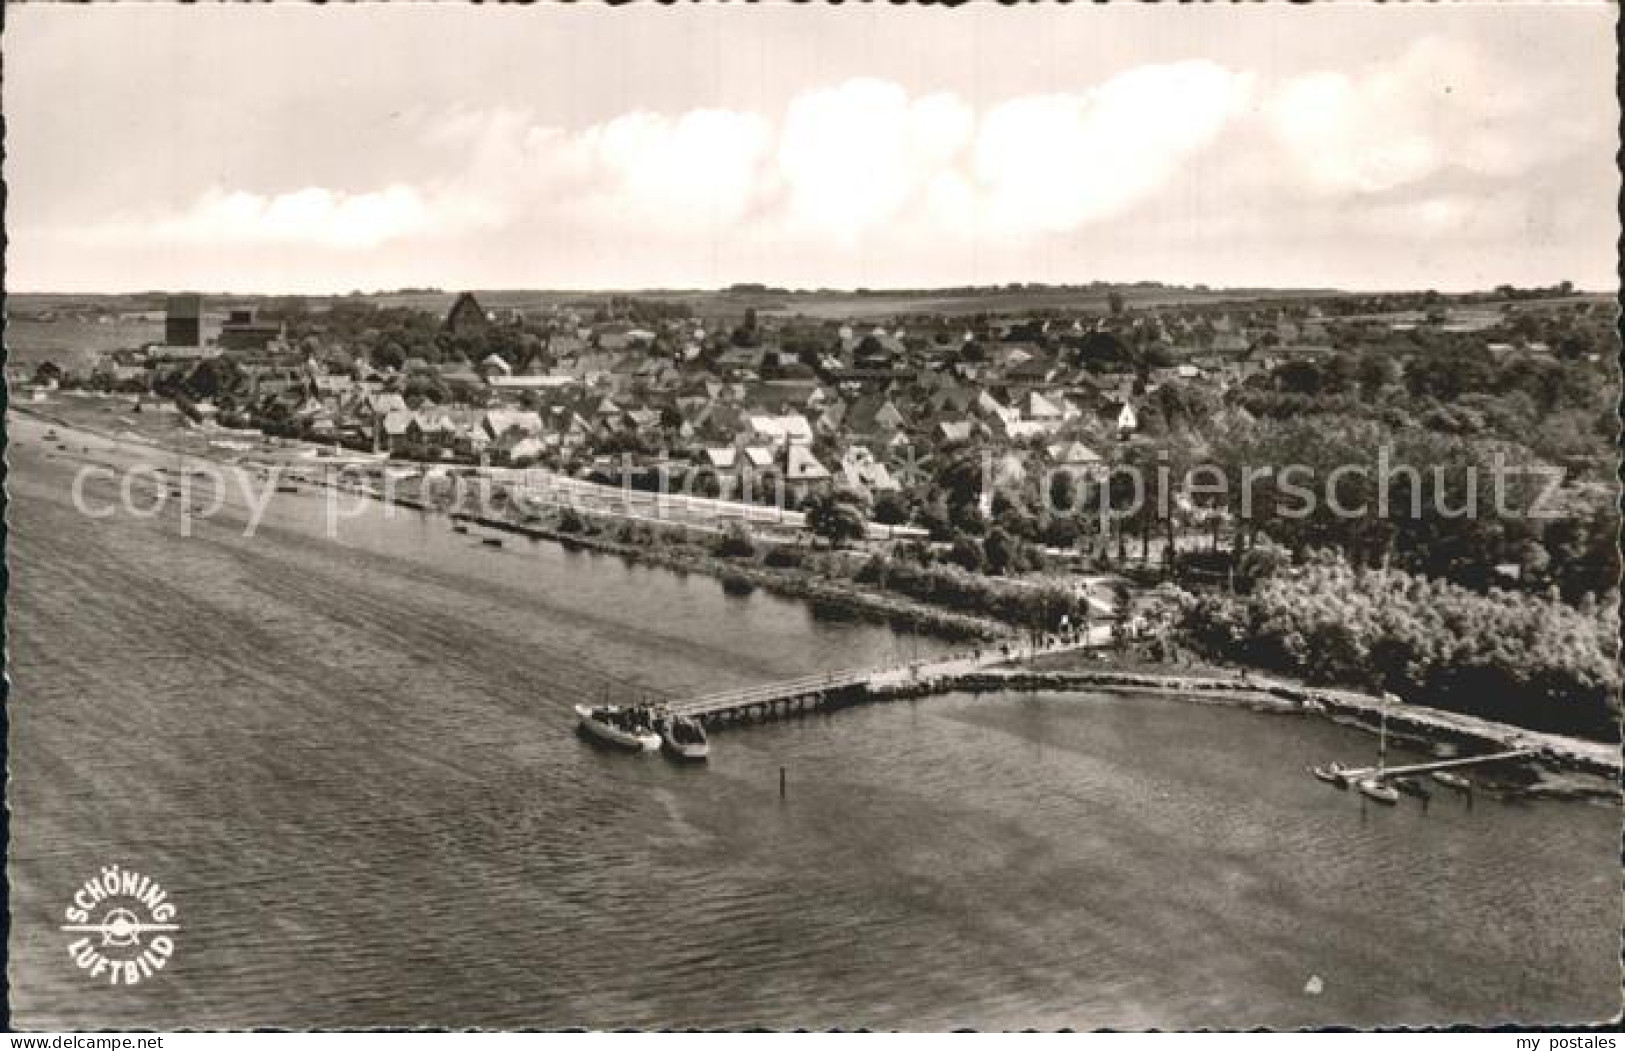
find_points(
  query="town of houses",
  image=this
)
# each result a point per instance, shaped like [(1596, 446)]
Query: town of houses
[(745, 407)]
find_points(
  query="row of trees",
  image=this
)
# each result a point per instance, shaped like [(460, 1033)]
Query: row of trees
[(1433, 503), (1442, 496), (1559, 406), (1038, 606), (1531, 660)]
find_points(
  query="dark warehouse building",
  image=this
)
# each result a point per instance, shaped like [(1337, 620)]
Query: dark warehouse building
[(183, 320)]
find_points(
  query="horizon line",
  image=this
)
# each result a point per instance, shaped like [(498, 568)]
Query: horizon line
[(783, 290)]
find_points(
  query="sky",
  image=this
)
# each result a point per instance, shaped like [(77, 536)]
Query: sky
[(301, 149)]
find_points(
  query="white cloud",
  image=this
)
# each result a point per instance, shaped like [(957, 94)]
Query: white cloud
[(1342, 143), (855, 155), (1439, 105), (314, 215), (697, 171), (863, 155), (687, 173), (1056, 162)]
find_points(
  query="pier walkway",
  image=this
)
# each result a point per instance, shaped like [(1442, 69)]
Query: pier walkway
[(1371, 772), (833, 689)]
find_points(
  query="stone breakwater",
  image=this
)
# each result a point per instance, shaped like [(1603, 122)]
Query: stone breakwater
[(1569, 766)]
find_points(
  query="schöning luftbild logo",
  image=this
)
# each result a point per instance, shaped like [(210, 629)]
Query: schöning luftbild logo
[(124, 922)]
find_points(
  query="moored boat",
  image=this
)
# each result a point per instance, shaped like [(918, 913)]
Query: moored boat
[(1377, 787), (684, 738), (1373, 788), (1452, 780), (621, 727), (1332, 773)]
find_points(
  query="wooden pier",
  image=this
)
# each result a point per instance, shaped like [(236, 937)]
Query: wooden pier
[(1372, 773), (828, 690), (811, 693)]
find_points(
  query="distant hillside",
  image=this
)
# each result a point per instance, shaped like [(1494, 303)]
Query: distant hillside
[(74, 343)]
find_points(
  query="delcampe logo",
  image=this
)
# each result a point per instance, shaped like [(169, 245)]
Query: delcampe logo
[(124, 922)]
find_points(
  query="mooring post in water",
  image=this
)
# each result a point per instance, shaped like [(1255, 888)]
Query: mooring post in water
[(781, 782)]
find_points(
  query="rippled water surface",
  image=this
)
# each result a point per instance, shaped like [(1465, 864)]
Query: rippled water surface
[(352, 763)]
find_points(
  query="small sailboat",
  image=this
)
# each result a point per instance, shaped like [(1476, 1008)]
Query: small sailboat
[(1376, 786)]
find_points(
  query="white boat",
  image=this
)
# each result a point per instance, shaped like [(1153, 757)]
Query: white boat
[(684, 738), (1332, 774), (1376, 787), (1372, 788), (621, 727), (1452, 780)]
